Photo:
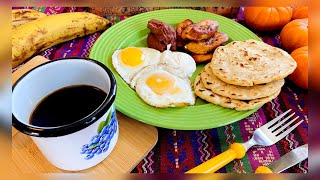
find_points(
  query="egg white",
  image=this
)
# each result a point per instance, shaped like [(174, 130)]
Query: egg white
[(179, 60), (184, 97), (150, 56)]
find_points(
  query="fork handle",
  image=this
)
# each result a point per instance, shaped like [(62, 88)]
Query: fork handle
[(263, 170), (235, 151)]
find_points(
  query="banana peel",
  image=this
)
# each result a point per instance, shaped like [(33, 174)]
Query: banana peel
[(22, 16), (43, 33)]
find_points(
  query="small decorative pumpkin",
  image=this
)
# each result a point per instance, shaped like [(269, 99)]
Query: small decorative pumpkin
[(300, 13), (294, 34), (300, 74), (267, 18)]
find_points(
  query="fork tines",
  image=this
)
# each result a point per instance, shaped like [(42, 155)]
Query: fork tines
[(277, 125)]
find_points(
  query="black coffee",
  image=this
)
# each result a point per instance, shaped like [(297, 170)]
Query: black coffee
[(67, 105)]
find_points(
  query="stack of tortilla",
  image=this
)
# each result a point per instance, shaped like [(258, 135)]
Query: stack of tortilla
[(244, 75)]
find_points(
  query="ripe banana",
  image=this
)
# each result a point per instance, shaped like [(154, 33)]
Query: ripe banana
[(21, 16), (38, 35)]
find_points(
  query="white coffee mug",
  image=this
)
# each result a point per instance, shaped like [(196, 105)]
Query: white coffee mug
[(81, 144)]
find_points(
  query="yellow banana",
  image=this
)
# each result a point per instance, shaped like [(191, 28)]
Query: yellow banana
[(38, 35), (21, 16)]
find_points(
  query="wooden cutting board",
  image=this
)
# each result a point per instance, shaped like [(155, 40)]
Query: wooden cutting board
[(134, 143)]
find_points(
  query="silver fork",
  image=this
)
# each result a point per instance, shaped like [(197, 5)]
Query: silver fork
[(266, 135)]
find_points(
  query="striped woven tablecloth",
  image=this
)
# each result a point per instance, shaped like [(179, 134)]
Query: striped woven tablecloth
[(179, 151)]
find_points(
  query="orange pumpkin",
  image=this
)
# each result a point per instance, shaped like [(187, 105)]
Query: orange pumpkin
[(300, 74), (267, 18), (294, 34), (300, 13)]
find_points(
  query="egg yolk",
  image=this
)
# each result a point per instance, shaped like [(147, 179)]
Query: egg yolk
[(162, 84), (131, 56)]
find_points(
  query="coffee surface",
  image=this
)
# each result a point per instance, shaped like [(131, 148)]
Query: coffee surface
[(67, 105)]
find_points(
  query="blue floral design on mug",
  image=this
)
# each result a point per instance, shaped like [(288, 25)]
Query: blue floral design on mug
[(100, 142)]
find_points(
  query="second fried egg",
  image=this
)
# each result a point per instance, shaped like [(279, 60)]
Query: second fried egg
[(160, 88)]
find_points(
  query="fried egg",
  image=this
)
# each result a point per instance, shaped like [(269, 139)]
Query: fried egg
[(156, 86), (164, 67), (179, 60), (131, 60)]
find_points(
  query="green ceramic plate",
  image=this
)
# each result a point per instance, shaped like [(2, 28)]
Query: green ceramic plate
[(133, 32)]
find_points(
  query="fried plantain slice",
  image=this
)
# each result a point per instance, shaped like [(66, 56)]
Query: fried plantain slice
[(180, 27), (202, 58), (203, 47), (202, 30)]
